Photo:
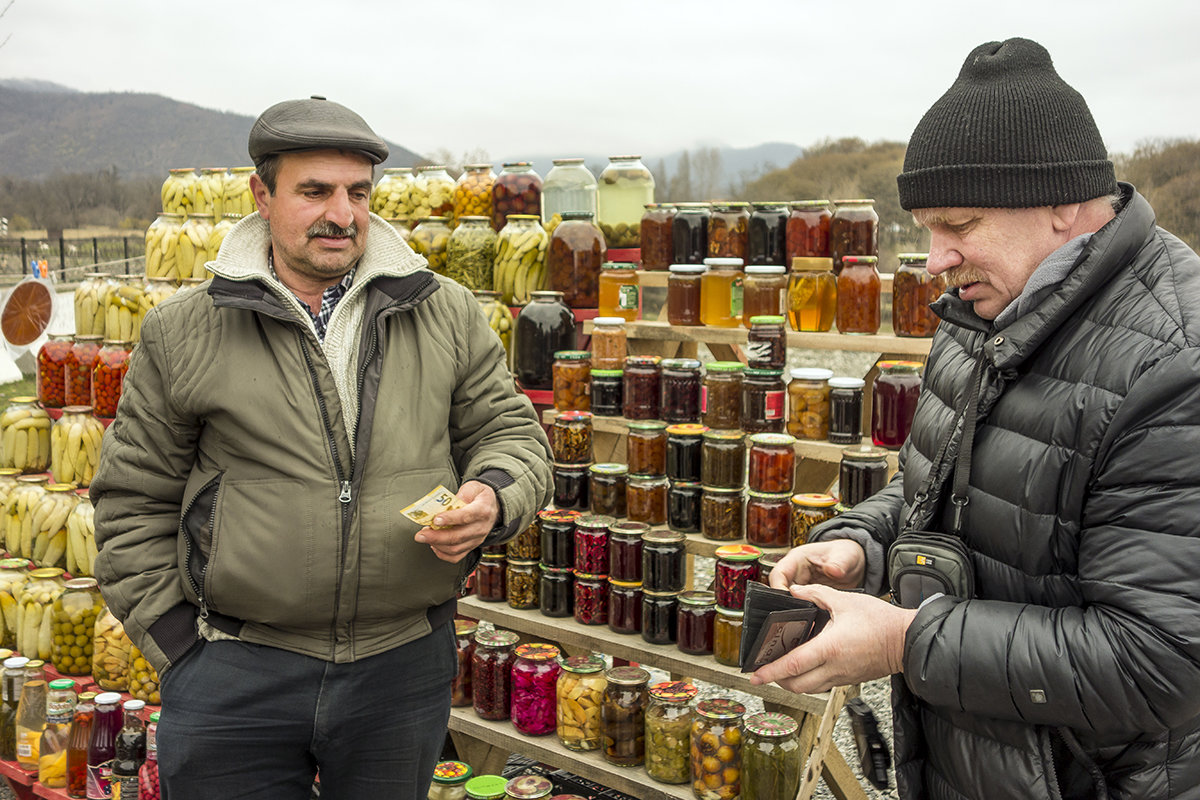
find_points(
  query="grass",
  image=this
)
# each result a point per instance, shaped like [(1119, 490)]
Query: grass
[(24, 387)]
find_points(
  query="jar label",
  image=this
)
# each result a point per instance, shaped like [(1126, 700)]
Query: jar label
[(98, 778), (774, 404), (759, 351), (627, 297), (703, 399), (736, 293)]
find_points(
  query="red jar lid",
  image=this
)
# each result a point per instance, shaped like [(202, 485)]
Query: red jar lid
[(673, 691)]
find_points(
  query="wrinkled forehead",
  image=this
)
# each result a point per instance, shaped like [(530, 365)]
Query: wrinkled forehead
[(953, 215)]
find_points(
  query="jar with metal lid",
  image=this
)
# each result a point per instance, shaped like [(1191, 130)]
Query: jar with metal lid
[(556, 593), (683, 506), (646, 447), (766, 242), (534, 677), (389, 197), (89, 303), (809, 511), (680, 390), (684, 443), (643, 387), (737, 564), (619, 294), (723, 459), (624, 606), (491, 673), (608, 343), (543, 328), (668, 731), (464, 648), (808, 403), (450, 781), (74, 622), (722, 291), (177, 190), (608, 488), (721, 513), (432, 192), (75, 446), (8, 482), (572, 376), (608, 392), (517, 190), (126, 306), (528, 787), (49, 529), (591, 598), (557, 537), (489, 577), (727, 230), (858, 295), (766, 343), (236, 197), (646, 499), (520, 265), (625, 550), (79, 368), (110, 653), (471, 253), (623, 716), (689, 232), (716, 749), (853, 231), (473, 192), (572, 437), (808, 229), (50, 380), (768, 519), (192, 252), (845, 410), (51, 750), (862, 473), (18, 522), (108, 378), (660, 612), (521, 583), (721, 395), (571, 489), (580, 692), (913, 290), (13, 574), (591, 544), (162, 249), (772, 462), (694, 626), (624, 188), (25, 436), (763, 401), (683, 294), (663, 556), (765, 292), (771, 757), (727, 636), (894, 396), (812, 295), (658, 246), (430, 238), (486, 787), (573, 258), (35, 614), (569, 186)]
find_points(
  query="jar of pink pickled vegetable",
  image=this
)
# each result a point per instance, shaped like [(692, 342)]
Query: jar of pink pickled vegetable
[(534, 681)]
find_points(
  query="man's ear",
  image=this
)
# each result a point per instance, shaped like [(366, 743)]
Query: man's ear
[(262, 196), (1063, 217)]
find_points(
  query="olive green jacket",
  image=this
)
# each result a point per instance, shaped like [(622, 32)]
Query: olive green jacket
[(254, 476)]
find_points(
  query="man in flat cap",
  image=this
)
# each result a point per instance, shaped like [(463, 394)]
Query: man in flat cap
[(1040, 541), (273, 425)]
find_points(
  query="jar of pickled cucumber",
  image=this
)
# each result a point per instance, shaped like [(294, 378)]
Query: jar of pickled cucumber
[(159, 289), (236, 197), (473, 193), (51, 374), (18, 518), (14, 572), (109, 377), (517, 190), (208, 192), (81, 537), (431, 238), (74, 625), (520, 266), (470, 251), (569, 186), (623, 716), (89, 303), (500, 319), (177, 190), (162, 247), (224, 224), (8, 482), (625, 187), (143, 678), (580, 694), (50, 525), (771, 757), (668, 731), (35, 614), (75, 446), (25, 435), (432, 193), (123, 314), (716, 749), (110, 653)]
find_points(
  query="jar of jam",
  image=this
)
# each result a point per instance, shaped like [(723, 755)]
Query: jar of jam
[(521, 581), (572, 371), (660, 611), (572, 437), (464, 645), (767, 242), (517, 190), (808, 229), (683, 506), (571, 486), (763, 401), (716, 749), (668, 731), (608, 392), (728, 230), (913, 289), (489, 578), (765, 292), (663, 556), (766, 343), (108, 377), (573, 257), (591, 599), (591, 544), (772, 462), (768, 519), (812, 295), (625, 550), (646, 447), (808, 403), (727, 636), (680, 390), (608, 343), (557, 533), (491, 673), (697, 612), (771, 757), (580, 691), (809, 511), (721, 394), (643, 387), (862, 473), (623, 716), (51, 370), (721, 514), (544, 327), (853, 231), (737, 564), (79, 366), (894, 398), (683, 451), (624, 606), (723, 459), (722, 293), (556, 591), (658, 246), (608, 487), (845, 410), (689, 232), (646, 499), (683, 294), (620, 295), (858, 302), (534, 678)]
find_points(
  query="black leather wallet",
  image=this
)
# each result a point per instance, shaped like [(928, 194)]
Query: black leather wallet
[(774, 623)]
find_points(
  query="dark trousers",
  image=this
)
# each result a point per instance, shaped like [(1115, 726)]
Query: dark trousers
[(249, 721)]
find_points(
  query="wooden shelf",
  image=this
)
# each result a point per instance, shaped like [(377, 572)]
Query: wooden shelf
[(645, 330)]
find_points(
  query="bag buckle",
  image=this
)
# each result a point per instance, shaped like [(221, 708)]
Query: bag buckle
[(960, 504)]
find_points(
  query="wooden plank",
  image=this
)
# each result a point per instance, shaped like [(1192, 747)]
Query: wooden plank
[(824, 741), (876, 343)]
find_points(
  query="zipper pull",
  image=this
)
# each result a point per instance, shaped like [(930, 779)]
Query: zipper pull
[(344, 497)]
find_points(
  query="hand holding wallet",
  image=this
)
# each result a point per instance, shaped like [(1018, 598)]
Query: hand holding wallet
[(775, 623)]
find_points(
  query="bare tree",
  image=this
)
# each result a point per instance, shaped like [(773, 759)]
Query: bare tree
[(2, 13)]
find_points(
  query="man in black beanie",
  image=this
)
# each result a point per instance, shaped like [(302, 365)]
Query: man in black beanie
[(1040, 539)]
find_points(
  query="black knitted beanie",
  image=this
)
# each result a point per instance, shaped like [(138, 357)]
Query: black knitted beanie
[(1010, 133)]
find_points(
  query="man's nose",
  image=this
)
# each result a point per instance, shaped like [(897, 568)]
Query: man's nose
[(942, 254), (339, 209)]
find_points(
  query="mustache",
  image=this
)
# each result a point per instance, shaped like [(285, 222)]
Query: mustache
[(329, 229), (961, 276)]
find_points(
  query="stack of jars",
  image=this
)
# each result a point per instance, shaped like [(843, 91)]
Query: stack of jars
[(682, 468), (771, 474), (521, 577), (571, 440), (556, 532), (607, 369), (591, 569), (625, 576), (737, 565), (646, 492)]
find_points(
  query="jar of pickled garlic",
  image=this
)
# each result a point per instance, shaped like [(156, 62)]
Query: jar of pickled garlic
[(108, 378), (608, 343), (624, 188), (431, 238), (853, 231), (432, 193), (727, 230), (391, 195), (521, 581), (894, 396), (80, 365), (236, 197), (694, 626), (771, 757), (18, 518), (768, 519), (809, 511), (812, 295), (722, 293), (464, 648), (35, 617), (808, 403), (683, 294), (177, 190), (591, 598), (517, 190), (194, 234), (569, 186), (75, 446), (683, 506), (14, 572), (845, 410), (808, 229), (623, 716), (862, 473), (89, 303), (721, 513), (520, 267), (764, 292), (727, 636), (766, 343), (668, 731), (663, 557), (913, 290), (73, 626), (658, 248), (473, 192), (81, 537), (111, 648), (607, 487), (716, 749), (763, 401), (580, 694), (646, 447), (556, 592), (858, 295), (534, 677), (25, 436), (143, 678), (573, 258), (619, 295), (723, 459), (50, 525), (721, 395), (471, 252), (680, 390), (642, 387), (624, 606), (491, 673), (51, 370), (689, 232), (767, 234), (162, 247)]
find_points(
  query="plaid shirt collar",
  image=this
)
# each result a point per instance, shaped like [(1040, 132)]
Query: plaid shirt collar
[(329, 298)]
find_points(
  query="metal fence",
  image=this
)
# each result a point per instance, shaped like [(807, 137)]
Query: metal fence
[(68, 259)]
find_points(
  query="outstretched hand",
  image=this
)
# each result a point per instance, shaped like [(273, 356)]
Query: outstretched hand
[(459, 531)]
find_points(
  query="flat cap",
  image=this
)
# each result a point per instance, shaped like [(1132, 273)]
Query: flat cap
[(313, 124)]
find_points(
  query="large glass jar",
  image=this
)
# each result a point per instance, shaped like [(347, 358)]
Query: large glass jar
[(108, 378), (557, 537), (432, 193), (721, 514), (809, 511), (646, 447), (684, 443), (36, 612), (697, 612), (727, 230), (723, 459), (663, 556), (162, 248), (208, 192), (853, 231), (143, 679), (177, 190), (572, 437), (576, 251), (75, 446), (894, 396), (808, 229), (913, 289), (768, 518), (470, 253), (557, 591), (521, 583), (623, 716), (772, 462), (721, 293), (763, 401), (489, 577), (124, 308), (110, 653), (721, 395), (591, 598), (808, 403), (689, 233), (572, 377), (158, 290), (491, 673), (25, 436), (625, 186), (767, 240), (608, 489), (50, 380), (812, 295), (771, 757), (81, 537), (544, 327), (534, 677), (737, 565), (236, 197), (79, 368), (473, 192), (500, 318), (658, 244), (683, 506), (646, 499), (392, 195), (571, 486), (845, 410), (680, 390), (50, 525), (193, 245), (22, 502), (624, 606), (727, 636), (766, 342), (660, 612), (431, 238), (580, 691), (716, 749), (668, 731), (13, 574), (569, 186), (517, 190), (858, 295), (618, 292), (89, 304), (74, 623), (683, 294), (642, 387), (8, 482), (520, 267), (764, 292), (863, 472), (464, 647)]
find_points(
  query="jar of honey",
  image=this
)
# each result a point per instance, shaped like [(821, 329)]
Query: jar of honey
[(619, 293), (765, 291), (812, 295), (722, 293)]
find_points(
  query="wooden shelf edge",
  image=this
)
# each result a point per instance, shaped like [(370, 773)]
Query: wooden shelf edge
[(647, 330)]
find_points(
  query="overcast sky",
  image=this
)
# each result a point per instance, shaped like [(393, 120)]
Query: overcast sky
[(559, 78)]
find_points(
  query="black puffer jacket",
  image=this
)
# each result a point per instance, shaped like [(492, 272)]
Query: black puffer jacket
[(1078, 662)]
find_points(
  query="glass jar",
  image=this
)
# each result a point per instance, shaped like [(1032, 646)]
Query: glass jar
[(557, 533), (89, 303), (619, 295), (75, 446), (723, 459), (49, 529), (727, 636), (683, 506), (80, 365), (683, 294), (36, 611), (809, 511), (591, 598), (544, 327), (162, 248), (571, 486), (25, 436), (125, 308), (658, 244), (236, 197), (727, 230), (608, 489), (591, 543), (689, 232), (573, 260), (572, 379), (808, 403), (625, 550), (569, 186), (764, 292), (14, 572), (470, 253), (473, 192), (853, 231), (660, 612), (520, 265), (894, 396), (624, 606), (517, 190), (913, 290), (110, 653), (432, 193), (450, 781), (159, 289), (812, 295), (737, 564), (464, 646), (722, 293), (716, 749), (808, 229), (767, 563), (684, 443), (22, 504), (224, 224), (608, 391), (680, 390), (557, 591), (767, 234), (486, 787), (534, 677), (491, 673), (697, 612), (209, 192), (625, 187), (663, 556), (668, 731), (608, 343), (771, 757), (489, 578), (766, 343), (721, 514), (177, 190), (858, 300), (642, 387), (8, 482), (192, 251), (845, 410), (50, 380), (580, 692), (763, 396), (862, 473), (646, 499), (109, 377), (572, 437), (431, 238), (391, 196), (772, 462), (646, 447), (623, 716), (768, 519), (521, 583), (528, 787), (721, 395)]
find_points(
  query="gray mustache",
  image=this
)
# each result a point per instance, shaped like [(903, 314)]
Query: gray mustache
[(331, 229)]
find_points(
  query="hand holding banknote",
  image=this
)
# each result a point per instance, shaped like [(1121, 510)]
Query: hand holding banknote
[(455, 524)]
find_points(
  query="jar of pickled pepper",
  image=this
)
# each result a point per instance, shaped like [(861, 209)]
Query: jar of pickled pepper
[(51, 370), (534, 678), (769, 519), (858, 295), (109, 377), (723, 459), (721, 395), (663, 558), (521, 582), (727, 230), (80, 365), (646, 447), (619, 294), (913, 290), (845, 410), (683, 294), (894, 396), (721, 513), (737, 564), (607, 487), (464, 647), (557, 532), (668, 731), (491, 673), (572, 375), (623, 716), (643, 387), (694, 627), (624, 606), (580, 690), (680, 390), (660, 612), (683, 506), (766, 343), (765, 292), (808, 229), (853, 231), (556, 593), (716, 749), (809, 511), (625, 550), (591, 598), (771, 757), (111, 649), (808, 403), (684, 443), (658, 248), (722, 293), (812, 295), (862, 473), (772, 462)]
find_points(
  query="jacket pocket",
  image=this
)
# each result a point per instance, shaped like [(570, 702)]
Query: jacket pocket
[(196, 528)]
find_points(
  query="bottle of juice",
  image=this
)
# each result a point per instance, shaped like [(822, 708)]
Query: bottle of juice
[(14, 679), (102, 746), (31, 715), (129, 752), (77, 745)]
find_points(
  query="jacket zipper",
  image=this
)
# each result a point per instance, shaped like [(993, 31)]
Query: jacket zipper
[(197, 588)]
